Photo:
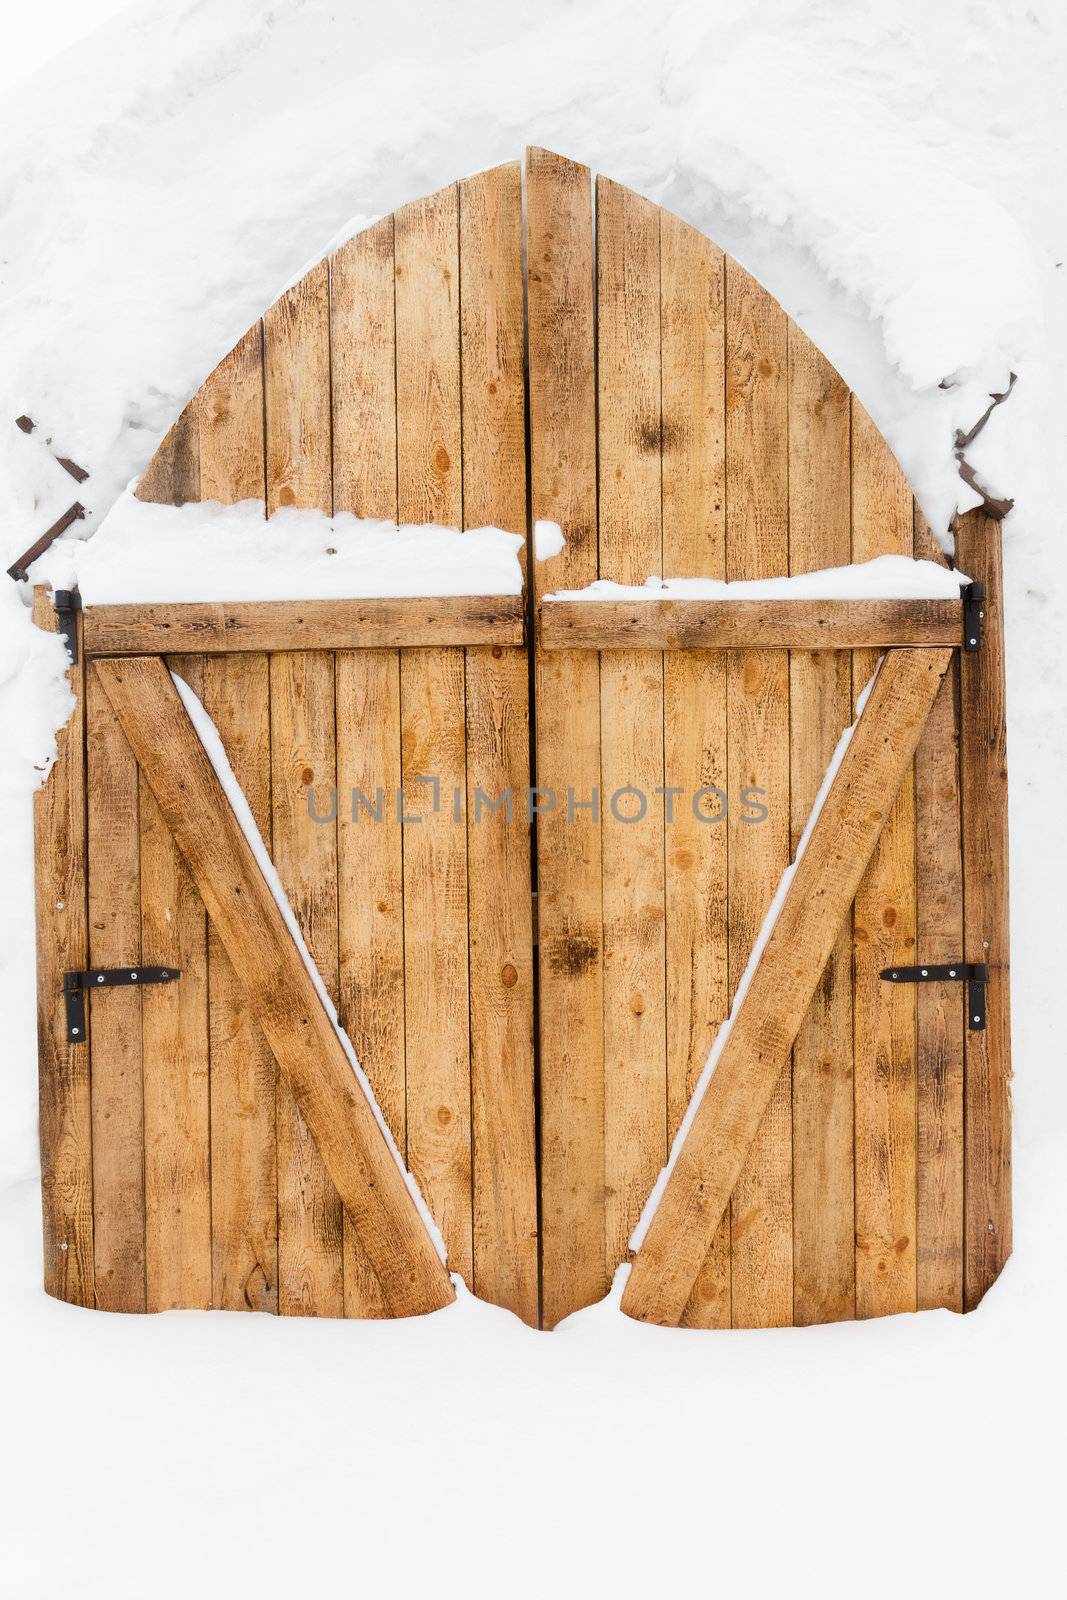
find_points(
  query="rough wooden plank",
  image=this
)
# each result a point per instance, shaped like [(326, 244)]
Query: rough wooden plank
[(230, 418), (367, 692), (65, 1115), (563, 488), (939, 1007), (217, 626), (755, 1057), (279, 986), (693, 458), (984, 779), (884, 935), (748, 624), (298, 411), (244, 1074), (430, 489), (631, 712), (296, 377), (820, 706), (173, 475), (174, 1032), (303, 762), (115, 940), (498, 760), (363, 351), (757, 546)]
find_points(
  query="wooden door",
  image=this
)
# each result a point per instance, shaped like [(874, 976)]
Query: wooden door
[(678, 424)]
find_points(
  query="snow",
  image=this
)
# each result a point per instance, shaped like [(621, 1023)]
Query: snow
[(548, 540), (884, 578), (892, 171), (209, 737), (206, 551)]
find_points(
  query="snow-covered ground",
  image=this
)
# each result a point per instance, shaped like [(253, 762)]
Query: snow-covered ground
[(893, 172)]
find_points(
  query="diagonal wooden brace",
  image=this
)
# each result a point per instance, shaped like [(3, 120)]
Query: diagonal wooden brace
[(279, 987), (768, 1019)]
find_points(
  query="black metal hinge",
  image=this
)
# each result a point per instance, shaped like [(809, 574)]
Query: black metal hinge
[(76, 983), (972, 973), (67, 603), (973, 595)]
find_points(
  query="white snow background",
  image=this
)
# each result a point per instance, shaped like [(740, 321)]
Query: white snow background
[(893, 173)]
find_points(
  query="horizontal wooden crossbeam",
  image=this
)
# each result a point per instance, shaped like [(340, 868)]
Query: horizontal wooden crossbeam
[(748, 624), (211, 627)]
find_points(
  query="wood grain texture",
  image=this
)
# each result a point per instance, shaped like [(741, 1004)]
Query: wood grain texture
[(757, 513), (113, 803), (984, 782), (883, 935), (244, 1074), (62, 946), (296, 377), (939, 1008), (279, 986), (693, 465), (631, 713), (820, 708), (563, 488), (174, 1031), (498, 760), (230, 418), (810, 625), (303, 784), (433, 742), (367, 695), (270, 625), (172, 477), (755, 1057)]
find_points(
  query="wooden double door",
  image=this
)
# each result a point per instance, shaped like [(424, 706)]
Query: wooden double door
[(532, 989)]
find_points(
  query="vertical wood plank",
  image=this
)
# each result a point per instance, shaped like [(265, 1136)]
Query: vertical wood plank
[(430, 489), (820, 707), (884, 934), (175, 1064), (631, 712), (230, 418), (244, 1181), (939, 1007), (370, 870), (984, 778), (296, 355), (563, 487), (761, 1236), (172, 476), (498, 759), (693, 381), (65, 1114), (114, 940)]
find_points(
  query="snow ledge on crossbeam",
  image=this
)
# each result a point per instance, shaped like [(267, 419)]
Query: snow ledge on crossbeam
[(143, 552), (884, 578)]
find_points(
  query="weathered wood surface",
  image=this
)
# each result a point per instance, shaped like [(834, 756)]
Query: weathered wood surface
[(820, 705), (693, 467), (60, 883), (984, 790), (883, 935), (279, 987), (504, 1173), (563, 488), (272, 625), (748, 624), (754, 1059)]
